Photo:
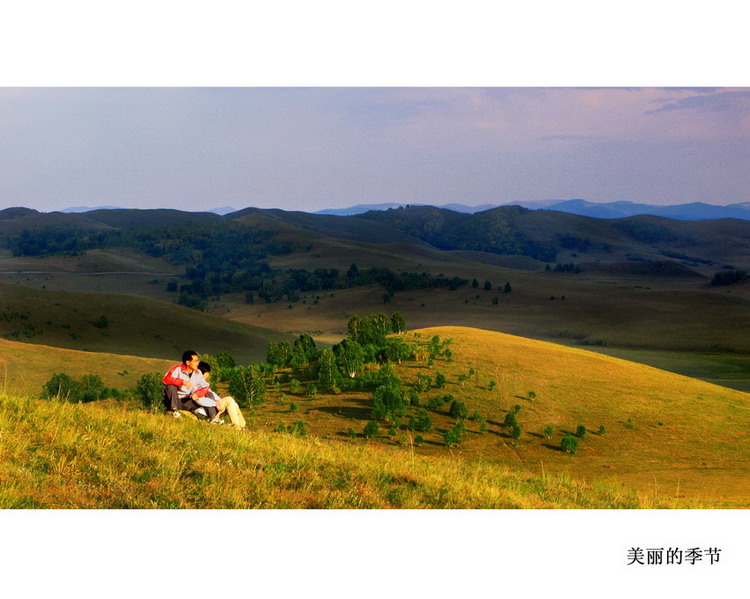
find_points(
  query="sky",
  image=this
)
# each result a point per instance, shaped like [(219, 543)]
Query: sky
[(312, 148)]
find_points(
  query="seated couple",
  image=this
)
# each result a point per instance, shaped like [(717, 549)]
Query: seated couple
[(187, 388)]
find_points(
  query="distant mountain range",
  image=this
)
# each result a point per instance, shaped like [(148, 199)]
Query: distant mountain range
[(547, 236), (607, 210), (221, 210), (691, 211)]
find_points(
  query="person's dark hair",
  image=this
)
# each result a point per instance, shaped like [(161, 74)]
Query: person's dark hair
[(187, 356), (204, 367)]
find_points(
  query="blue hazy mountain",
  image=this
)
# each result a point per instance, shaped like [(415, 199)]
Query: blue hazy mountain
[(691, 211)]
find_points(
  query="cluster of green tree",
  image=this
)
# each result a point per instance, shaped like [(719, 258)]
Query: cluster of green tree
[(570, 267), (729, 277), (342, 366), (89, 388), (54, 239), (291, 284)]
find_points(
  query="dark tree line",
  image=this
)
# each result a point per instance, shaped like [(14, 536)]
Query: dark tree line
[(730, 277)]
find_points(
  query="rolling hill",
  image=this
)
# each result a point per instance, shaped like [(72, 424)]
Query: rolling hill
[(25, 367), (123, 324), (640, 284), (652, 438), (683, 436)]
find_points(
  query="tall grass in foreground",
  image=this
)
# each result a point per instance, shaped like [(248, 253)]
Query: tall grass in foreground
[(60, 455)]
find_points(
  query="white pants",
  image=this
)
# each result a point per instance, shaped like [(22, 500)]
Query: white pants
[(229, 405)]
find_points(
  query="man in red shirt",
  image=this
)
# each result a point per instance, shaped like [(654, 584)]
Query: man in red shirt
[(179, 384)]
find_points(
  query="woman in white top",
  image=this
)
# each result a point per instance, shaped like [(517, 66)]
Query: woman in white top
[(208, 399)]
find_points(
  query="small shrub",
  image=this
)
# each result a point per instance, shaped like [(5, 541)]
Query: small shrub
[(580, 431), (516, 408), (510, 419), (350, 433), (602, 430), (293, 407), (532, 395), (492, 385), (569, 444), (515, 430), (371, 429), (458, 409), (295, 386), (548, 431), (297, 428), (455, 435), (150, 390), (418, 440), (483, 428), (440, 380), (421, 422), (435, 403), (476, 417)]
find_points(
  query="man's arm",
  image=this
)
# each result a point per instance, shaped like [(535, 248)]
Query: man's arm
[(173, 377)]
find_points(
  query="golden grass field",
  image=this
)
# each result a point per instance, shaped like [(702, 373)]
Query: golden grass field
[(58, 455), (24, 367), (670, 434), (675, 441)]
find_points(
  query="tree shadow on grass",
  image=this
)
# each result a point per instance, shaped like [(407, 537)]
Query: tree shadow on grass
[(553, 447), (354, 412)]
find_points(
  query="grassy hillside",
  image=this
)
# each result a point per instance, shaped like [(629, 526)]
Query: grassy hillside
[(679, 436), (25, 367), (131, 325), (678, 441), (57, 455)]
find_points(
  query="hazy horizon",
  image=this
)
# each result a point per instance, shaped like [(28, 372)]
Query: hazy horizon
[(312, 149)]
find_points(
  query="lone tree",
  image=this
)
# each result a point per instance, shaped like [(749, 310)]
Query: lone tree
[(247, 385), (487, 286), (150, 390), (388, 400), (458, 409), (440, 380), (398, 323), (350, 357), (507, 288), (353, 272), (371, 429), (328, 374), (455, 435), (569, 444)]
